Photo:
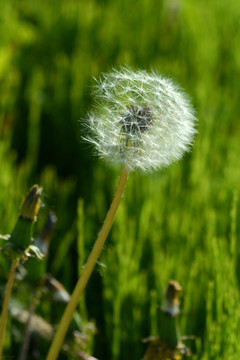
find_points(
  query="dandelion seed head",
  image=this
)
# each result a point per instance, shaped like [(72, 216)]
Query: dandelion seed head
[(141, 119)]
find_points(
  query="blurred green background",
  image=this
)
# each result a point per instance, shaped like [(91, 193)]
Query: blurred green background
[(179, 223)]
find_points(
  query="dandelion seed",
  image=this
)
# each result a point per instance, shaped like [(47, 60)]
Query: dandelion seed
[(141, 119)]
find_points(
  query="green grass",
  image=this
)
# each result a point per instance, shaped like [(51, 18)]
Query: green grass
[(180, 223)]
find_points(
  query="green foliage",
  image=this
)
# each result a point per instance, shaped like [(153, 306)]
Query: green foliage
[(181, 223)]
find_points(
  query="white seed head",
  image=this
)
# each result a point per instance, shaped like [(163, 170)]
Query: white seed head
[(141, 119)]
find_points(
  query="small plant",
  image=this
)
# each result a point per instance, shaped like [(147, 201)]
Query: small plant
[(35, 287), (142, 121), (168, 346), (19, 248)]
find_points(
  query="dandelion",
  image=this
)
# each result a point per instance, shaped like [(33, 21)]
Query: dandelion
[(142, 121)]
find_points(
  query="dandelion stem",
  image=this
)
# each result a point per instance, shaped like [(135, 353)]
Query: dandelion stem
[(4, 314), (88, 269), (28, 330)]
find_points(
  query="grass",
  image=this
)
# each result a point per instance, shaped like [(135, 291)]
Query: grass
[(179, 223)]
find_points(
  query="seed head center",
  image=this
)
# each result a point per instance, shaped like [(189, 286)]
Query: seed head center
[(136, 120)]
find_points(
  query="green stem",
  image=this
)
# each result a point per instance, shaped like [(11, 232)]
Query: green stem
[(28, 330), (168, 330), (4, 314), (88, 269)]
